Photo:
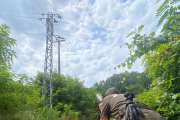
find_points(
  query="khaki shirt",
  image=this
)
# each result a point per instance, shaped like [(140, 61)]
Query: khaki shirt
[(111, 105)]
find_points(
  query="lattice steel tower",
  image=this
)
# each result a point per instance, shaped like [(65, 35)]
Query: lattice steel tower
[(48, 65)]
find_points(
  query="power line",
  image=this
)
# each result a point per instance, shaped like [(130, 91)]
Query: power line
[(62, 22), (28, 15), (30, 6), (44, 34), (41, 13), (19, 11), (29, 33), (62, 17), (19, 16), (39, 6)]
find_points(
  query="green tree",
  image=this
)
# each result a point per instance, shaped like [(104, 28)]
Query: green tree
[(70, 97), (6, 42), (6, 59)]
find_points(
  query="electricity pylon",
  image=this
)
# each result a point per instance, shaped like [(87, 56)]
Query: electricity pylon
[(48, 65)]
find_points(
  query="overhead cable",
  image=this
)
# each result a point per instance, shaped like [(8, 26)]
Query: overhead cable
[(28, 15)]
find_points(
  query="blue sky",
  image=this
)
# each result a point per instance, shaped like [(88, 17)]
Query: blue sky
[(91, 29)]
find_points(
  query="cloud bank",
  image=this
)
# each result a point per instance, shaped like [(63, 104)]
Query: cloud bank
[(91, 29)]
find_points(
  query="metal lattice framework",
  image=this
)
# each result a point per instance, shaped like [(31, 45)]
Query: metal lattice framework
[(48, 65)]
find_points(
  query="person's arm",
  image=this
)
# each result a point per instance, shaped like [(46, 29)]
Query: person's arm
[(105, 110), (104, 118), (100, 106)]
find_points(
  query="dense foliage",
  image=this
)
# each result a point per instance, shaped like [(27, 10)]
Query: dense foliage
[(125, 82), (6, 53), (71, 98)]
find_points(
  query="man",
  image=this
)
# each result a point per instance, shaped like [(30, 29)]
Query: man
[(124, 107)]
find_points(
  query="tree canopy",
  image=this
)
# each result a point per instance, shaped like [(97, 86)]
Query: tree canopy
[(125, 82)]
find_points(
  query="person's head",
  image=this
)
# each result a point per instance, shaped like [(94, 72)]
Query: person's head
[(110, 91)]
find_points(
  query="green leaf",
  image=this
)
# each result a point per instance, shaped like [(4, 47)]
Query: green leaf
[(151, 29), (129, 65), (123, 64), (163, 7), (157, 1), (129, 46), (170, 83), (140, 28), (174, 96), (126, 44), (120, 46), (163, 17), (114, 68), (152, 33), (178, 7), (174, 1), (126, 72), (131, 33), (178, 95), (171, 11), (118, 66), (124, 78)]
